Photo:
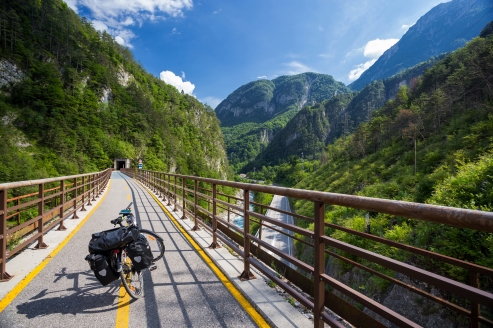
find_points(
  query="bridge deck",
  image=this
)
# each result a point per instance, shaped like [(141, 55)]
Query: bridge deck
[(183, 291)]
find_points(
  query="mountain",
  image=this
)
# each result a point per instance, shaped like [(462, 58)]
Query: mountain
[(72, 100), (253, 114), (260, 101), (431, 144), (445, 28), (313, 127)]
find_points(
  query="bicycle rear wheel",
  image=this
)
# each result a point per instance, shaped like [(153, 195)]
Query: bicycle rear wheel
[(132, 280), (155, 242)]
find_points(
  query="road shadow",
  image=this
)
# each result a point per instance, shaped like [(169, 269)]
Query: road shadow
[(90, 298)]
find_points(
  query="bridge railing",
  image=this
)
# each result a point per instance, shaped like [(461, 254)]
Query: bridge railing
[(29, 209), (200, 200)]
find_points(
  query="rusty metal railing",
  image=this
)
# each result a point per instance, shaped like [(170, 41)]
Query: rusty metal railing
[(25, 216), (200, 200)]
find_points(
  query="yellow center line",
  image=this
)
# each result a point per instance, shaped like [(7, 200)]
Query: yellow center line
[(259, 320), (24, 282), (123, 311)]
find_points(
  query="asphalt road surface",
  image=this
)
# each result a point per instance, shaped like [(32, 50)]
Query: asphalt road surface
[(182, 292), (276, 239)]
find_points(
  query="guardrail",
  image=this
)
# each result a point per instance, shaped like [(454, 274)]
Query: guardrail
[(183, 192), (29, 209)]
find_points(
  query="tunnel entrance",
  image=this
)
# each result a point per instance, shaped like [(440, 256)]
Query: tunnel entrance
[(121, 163)]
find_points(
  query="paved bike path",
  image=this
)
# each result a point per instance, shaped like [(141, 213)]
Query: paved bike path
[(183, 291)]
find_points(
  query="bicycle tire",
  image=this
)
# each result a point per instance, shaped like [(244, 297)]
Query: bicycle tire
[(132, 280), (155, 242)]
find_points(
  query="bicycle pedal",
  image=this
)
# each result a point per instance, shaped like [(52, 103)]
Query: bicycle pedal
[(153, 267)]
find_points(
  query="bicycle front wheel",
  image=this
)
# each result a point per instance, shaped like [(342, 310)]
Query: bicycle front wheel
[(156, 244), (132, 280)]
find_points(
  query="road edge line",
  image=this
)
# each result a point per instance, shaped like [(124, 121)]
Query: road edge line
[(31, 275), (247, 306)]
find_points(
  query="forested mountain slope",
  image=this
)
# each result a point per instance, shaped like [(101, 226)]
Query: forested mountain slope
[(255, 112), (72, 100), (446, 27), (313, 127), (432, 144)]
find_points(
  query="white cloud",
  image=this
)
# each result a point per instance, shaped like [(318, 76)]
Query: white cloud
[(174, 31), (118, 15), (407, 26), (120, 40), (375, 48), (359, 69), (262, 77), (72, 5), (217, 11), (176, 81), (100, 26), (372, 50), (294, 67), (128, 21), (211, 101)]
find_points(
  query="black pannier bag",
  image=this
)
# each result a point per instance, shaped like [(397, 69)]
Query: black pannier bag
[(108, 240), (140, 253), (101, 266)]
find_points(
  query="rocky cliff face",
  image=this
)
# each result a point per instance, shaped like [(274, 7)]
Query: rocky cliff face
[(260, 101), (401, 300), (445, 28)]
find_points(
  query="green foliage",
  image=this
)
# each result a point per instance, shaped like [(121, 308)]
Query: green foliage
[(74, 112), (446, 115), (254, 113)]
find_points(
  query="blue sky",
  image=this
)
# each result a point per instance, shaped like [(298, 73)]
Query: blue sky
[(210, 48)]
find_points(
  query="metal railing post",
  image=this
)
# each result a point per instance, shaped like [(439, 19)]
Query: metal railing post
[(93, 187), (169, 190), (83, 199), (154, 182), (475, 307), (75, 199), (318, 265), (101, 184), (229, 208), (98, 185), (174, 193), (19, 213), (41, 209), (183, 181), (246, 274), (195, 204), (161, 193), (4, 276), (214, 221), (61, 227)]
